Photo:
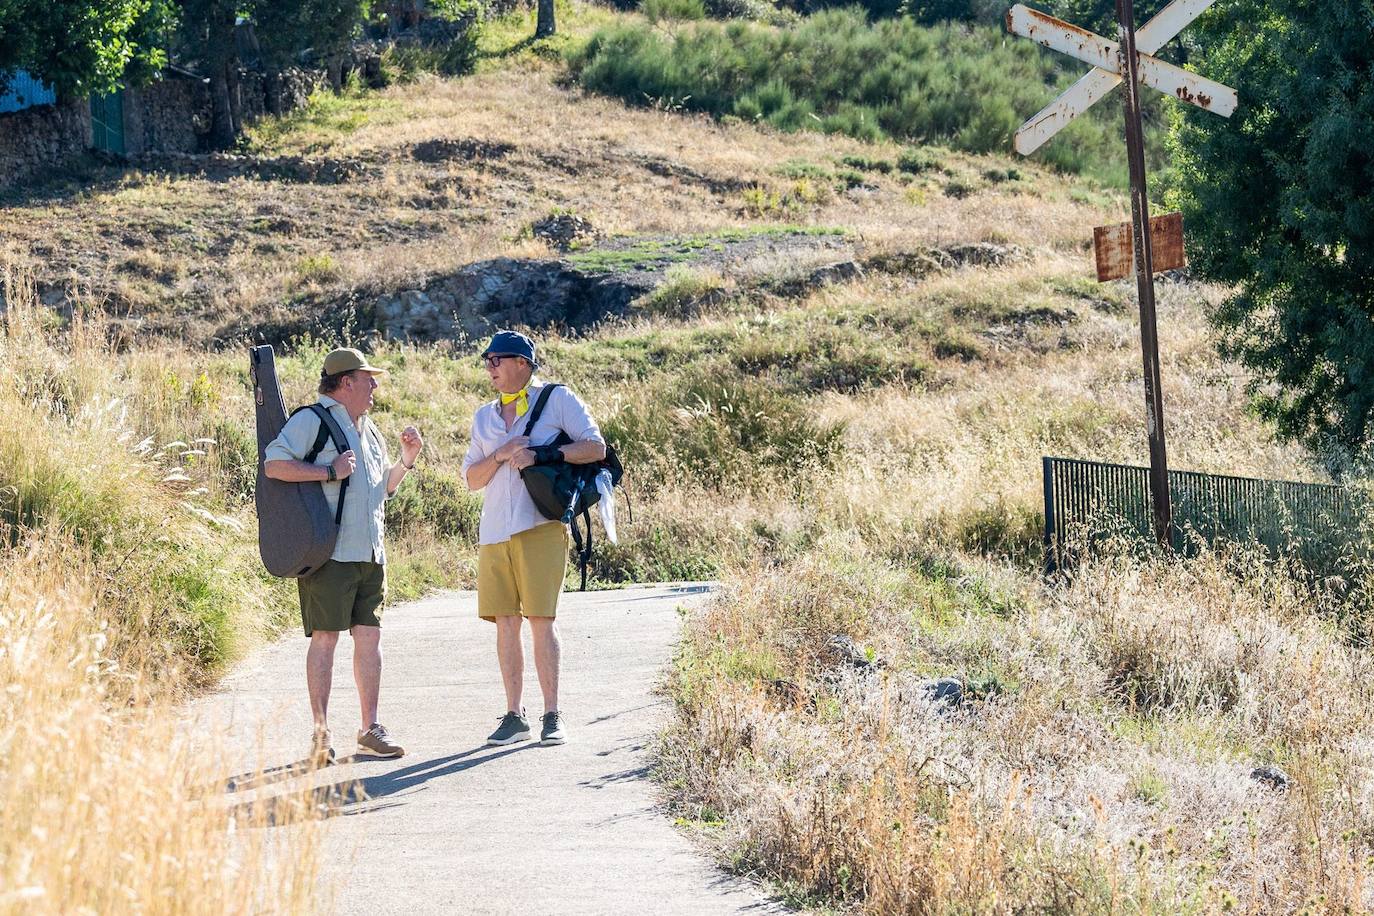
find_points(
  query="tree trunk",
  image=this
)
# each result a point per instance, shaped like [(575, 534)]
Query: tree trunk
[(273, 81), (334, 67), (222, 134), (220, 59), (235, 98), (545, 25)]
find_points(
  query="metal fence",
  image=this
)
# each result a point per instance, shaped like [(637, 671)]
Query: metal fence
[(25, 92), (1087, 502)]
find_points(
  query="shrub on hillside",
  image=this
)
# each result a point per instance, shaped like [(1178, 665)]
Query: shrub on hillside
[(839, 73), (673, 10), (722, 429)]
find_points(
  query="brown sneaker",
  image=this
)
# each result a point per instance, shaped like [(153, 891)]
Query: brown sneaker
[(378, 743), (321, 754)]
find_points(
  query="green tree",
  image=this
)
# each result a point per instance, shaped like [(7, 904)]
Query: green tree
[(325, 28), (1279, 202), (207, 36), (81, 46)]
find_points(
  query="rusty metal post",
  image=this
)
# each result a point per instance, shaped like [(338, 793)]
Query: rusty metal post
[(1145, 278)]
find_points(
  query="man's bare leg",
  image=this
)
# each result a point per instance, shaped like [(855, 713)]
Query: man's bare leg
[(367, 669), (511, 655), (548, 655), (319, 674)]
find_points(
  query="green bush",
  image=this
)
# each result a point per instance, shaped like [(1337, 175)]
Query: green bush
[(435, 503), (835, 71), (721, 428), (673, 10), (916, 161)]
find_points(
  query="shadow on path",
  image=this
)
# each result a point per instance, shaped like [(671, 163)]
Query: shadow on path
[(347, 796)]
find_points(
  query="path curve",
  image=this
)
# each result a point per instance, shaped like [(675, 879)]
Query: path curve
[(457, 827)]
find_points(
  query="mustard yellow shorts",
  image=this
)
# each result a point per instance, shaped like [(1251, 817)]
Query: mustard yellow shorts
[(523, 575)]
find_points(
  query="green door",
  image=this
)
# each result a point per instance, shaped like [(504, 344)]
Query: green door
[(107, 122)]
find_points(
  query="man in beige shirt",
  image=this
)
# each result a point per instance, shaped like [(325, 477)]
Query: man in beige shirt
[(348, 591)]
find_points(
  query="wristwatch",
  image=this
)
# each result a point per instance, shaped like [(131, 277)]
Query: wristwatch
[(332, 475)]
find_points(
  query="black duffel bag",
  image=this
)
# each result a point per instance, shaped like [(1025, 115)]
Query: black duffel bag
[(562, 491)]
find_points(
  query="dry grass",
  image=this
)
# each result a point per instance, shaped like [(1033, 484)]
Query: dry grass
[(123, 582), (1061, 792), (108, 806), (218, 254), (860, 461)]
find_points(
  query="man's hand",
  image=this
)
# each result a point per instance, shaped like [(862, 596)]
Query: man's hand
[(511, 448), (411, 444), (345, 464), (523, 459)]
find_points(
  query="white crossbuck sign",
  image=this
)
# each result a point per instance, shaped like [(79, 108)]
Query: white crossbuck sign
[(1106, 58)]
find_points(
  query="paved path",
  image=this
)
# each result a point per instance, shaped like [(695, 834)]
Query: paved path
[(457, 827)]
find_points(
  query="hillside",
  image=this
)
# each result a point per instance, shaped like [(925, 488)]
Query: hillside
[(356, 197), (831, 368)]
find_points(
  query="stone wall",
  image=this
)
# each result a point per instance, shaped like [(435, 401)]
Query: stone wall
[(171, 115), (168, 116), (294, 88), (38, 138)]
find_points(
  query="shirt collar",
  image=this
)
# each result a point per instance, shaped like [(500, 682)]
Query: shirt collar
[(329, 404)]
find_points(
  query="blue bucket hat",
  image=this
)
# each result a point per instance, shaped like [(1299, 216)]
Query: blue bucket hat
[(511, 343)]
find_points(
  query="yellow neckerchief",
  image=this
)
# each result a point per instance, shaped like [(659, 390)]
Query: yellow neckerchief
[(520, 399)]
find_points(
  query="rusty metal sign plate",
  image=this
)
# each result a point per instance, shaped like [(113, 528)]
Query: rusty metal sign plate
[(1115, 247), (1109, 66)]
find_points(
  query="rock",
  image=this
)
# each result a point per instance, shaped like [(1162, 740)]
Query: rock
[(982, 254), (1272, 777), (563, 230), (594, 283), (834, 273), (1042, 314), (503, 292), (444, 149), (413, 315), (908, 263), (846, 651), (946, 691), (786, 692)]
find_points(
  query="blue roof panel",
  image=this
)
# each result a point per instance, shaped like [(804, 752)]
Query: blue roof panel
[(25, 92)]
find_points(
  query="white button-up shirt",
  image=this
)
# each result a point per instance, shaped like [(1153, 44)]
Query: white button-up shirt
[(363, 526), (507, 508)]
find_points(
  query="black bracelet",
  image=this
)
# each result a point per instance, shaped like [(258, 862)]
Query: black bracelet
[(409, 467)]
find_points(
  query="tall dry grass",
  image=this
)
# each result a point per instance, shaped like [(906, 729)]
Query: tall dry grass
[(1103, 760), (1102, 765), (125, 578), (109, 806)]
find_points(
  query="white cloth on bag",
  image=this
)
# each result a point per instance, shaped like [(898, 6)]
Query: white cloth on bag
[(607, 504), (507, 508)]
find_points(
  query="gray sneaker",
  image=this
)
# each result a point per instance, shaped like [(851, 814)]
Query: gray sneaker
[(514, 727), (321, 754), (552, 732), (378, 743)]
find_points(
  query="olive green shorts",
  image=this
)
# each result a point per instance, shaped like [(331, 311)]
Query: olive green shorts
[(339, 596), (523, 575)]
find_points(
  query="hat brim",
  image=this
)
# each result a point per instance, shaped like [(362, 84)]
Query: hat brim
[(372, 370)]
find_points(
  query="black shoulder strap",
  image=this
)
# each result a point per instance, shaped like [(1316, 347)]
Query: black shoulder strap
[(539, 406), (584, 549), (329, 429)]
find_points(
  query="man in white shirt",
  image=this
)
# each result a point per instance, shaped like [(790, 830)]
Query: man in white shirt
[(523, 556), (348, 591)]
